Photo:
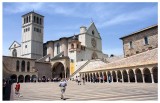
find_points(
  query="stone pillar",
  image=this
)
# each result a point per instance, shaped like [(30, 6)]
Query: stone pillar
[(87, 77), (106, 77), (128, 76), (143, 78), (111, 76), (152, 77), (103, 76), (116, 76), (122, 76), (135, 75), (20, 66)]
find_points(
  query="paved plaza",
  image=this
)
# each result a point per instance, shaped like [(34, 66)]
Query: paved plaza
[(50, 91)]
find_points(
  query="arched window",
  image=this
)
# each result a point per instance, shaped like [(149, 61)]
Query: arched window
[(40, 21), (14, 53), (29, 18), (24, 20), (28, 66), (17, 66), (77, 45), (34, 19), (72, 46), (58, 48), (37, 20), (23, 66)]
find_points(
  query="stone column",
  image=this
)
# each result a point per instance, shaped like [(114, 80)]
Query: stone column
[(122, 76), (152, 77), (135, 75), (111, 76), (103, 76), (116, 76), (128, 76), (143, 78)]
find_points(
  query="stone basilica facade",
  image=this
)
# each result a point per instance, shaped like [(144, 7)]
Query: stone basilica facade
[(80, 54)]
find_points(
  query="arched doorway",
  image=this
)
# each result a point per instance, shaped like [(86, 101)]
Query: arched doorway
[(125, 76), (44, 78), (139, 75), (119, 76), (97, 77), (131, 76), (13, 78), (21, 78), (58, 70), (114, 76), (109, 76), (27, 78), (34, 78), (155, 74), (147, 75), (105, 77)]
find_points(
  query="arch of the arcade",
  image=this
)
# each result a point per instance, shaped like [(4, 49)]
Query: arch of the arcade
[(60, 68), (138, 74), (24, 77)]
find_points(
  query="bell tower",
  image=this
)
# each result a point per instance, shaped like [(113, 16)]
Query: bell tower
[(32, 35)]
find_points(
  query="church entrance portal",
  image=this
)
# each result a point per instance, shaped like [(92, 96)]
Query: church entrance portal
[(58, 71)]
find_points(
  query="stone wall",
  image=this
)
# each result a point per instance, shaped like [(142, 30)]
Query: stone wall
[(138, 41), (44, 69)]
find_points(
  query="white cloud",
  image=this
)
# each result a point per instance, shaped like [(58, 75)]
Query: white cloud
[(22, 7), (129, 16)]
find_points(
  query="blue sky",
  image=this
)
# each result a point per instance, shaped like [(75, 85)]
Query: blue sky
[(113, 20)]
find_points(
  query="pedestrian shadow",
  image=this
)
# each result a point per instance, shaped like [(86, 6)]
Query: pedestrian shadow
[(66, 98)]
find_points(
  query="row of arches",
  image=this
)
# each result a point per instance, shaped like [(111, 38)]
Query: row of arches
[(23, 66), (21, 78), (130, 75)]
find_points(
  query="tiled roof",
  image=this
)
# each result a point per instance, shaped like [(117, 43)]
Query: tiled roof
[(145, 58)]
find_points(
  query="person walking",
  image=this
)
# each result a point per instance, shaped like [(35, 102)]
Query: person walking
[(17, 88), (79, 80), (63, 85), (83, 81)]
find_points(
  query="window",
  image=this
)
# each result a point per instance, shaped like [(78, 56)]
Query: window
[(29, 18), (37, 20), (58, 48), (25, 46), (14, 53), (40, 21), (17, 66), (28, 66), (72, 46), (77, 46), (81, 59), (34, 19), (34, 29), (146, 40), (24, 20), (93, 32), (130, 44), (40, 30), (28, 28), (24, 30), (23, 66)]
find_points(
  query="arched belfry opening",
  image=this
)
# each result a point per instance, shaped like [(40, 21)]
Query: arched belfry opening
[(58, 70)]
